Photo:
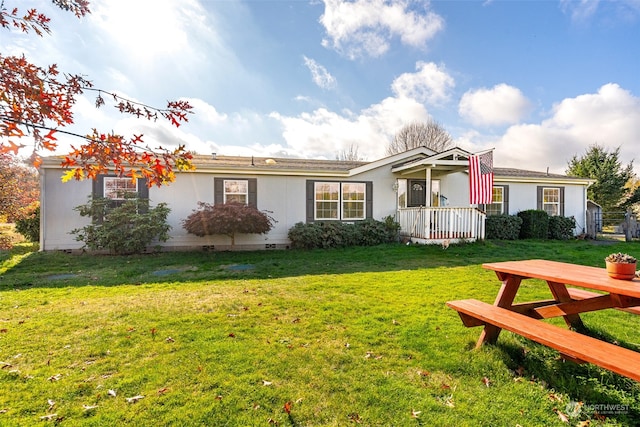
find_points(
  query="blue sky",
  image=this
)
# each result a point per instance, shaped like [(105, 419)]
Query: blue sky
[(539, 81)]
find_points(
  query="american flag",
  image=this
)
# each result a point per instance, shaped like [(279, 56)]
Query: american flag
[(481, 178)]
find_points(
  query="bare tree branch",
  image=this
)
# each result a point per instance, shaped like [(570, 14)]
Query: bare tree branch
[(417, 134)]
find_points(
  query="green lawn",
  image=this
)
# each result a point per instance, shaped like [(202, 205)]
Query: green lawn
[(357, 336)]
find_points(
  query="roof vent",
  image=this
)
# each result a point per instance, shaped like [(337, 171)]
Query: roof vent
[(270, 161)]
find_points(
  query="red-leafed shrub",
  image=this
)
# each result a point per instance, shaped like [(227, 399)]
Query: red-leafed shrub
[(227, 219)]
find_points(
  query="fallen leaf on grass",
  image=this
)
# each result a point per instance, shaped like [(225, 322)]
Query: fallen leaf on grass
[(55, 377), (163, 390), (355, 417), (554, 397), (112, 393), (87, 408), (266, 383), (232, 335), (272, 421), (415, 414), (4, 411), (48, 417), (486, 381), (51, 403), (169, 339), (134, 399), (562, 416), (287, 407), (5, 365)]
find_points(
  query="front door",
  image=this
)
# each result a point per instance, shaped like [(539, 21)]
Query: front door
[(417, 193)]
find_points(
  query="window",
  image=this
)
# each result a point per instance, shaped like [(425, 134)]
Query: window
[(551, 200), (119, 188), (236, 191), (338, 201), (497, 205), (353, 195), (327, 200)]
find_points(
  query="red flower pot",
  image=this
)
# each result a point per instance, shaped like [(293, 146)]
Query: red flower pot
[(624, 271)]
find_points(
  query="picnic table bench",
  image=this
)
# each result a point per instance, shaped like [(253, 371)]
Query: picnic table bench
[(568, 302)]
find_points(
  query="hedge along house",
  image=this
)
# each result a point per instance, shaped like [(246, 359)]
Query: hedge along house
[(427, 193)]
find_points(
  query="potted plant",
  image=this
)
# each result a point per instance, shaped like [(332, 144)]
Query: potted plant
[(621, 266)]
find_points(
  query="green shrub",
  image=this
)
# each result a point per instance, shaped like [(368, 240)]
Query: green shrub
[(503, 227), (334, 234), (125, 229), (535, 224), (29, 226), (561, 227)]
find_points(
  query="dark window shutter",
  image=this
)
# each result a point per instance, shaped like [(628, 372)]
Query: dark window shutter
[(539, 203), (310, 200), (218, 191), (369, 199), (143, 193), (505, 199), (98, 186), (143, 190), (253, 192), (561, 213)]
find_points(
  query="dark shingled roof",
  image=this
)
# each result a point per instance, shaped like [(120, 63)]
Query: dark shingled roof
[(520, 173), (274, 163)]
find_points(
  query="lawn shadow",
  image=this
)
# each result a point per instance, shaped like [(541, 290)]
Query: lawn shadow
[(586, 383), (57, 269)]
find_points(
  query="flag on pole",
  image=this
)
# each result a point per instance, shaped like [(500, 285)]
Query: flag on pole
[(481, 178)]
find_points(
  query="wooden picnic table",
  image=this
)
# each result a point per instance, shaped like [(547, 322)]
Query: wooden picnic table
[(572, 289)]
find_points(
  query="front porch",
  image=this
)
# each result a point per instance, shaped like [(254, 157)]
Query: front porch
[(430, 225)]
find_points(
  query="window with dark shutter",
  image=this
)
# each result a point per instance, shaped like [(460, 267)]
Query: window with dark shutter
[(236, 190), (339, 201), (551, 200)]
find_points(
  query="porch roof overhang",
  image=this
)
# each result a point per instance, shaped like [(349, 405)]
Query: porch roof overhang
[(449, 161)]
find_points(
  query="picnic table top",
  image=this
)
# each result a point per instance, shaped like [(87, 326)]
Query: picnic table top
[(569, 274)]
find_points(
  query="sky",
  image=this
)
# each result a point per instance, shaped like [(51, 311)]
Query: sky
[(538, 81)]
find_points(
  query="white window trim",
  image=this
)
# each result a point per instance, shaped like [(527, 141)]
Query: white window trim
[(545, 203), (245, 193), (340, 202), (363, 202), (107, 179), (501, 202)]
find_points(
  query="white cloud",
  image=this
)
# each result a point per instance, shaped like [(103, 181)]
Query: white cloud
[(206, 112), (365, 27), (319, 74), (579, 10), (324, 133), (430, 84), (610, 118), (585, 11), (145, 29), (500, 105)]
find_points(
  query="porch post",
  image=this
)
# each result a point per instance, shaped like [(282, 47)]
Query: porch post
[(427, 191)]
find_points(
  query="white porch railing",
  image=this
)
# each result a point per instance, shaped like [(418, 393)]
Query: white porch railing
[(437, 224)]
